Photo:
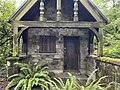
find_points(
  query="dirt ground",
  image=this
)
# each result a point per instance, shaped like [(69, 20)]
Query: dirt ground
[(3, 83)]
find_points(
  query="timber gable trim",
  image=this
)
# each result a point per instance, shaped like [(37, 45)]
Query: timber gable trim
[(92, 9), (22, 10)]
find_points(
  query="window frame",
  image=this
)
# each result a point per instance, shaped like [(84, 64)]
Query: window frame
[(47, 44)]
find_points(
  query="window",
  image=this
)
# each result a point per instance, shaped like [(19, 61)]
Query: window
[(47, 44)]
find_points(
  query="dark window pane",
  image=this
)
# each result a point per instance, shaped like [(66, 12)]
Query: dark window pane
[(47, 44)]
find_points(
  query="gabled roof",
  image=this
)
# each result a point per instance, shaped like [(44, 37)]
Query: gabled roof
[(88, 4), (26, 5), (100, 13)]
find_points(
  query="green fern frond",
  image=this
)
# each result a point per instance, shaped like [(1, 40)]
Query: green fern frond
[(35, 67), (26, 70), (29, 77), (43, 86), (24, 87), (109, 85), (40, 75), (13, 82), (20, 65), (52, 83), (44, 69), (90, 78), (19, 85), (100, 80), (13, 76), (45, 72), (59, 80), (30, 84), (36, 81)]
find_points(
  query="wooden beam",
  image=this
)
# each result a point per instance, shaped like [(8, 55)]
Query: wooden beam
[(90, 43), (92, 11), (21, 31), (15, 42), (42, 18), (60, 24), (95, 32), (75, 10), (100, 43), (59, 10)]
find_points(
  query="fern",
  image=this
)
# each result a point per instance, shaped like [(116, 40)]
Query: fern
[(25, 70), (70, 84), (19, 85), (95, 85), (90, 77), (13, 76), (20, 65), (24, 87), (13, 82), (29, 84), (29, 77)]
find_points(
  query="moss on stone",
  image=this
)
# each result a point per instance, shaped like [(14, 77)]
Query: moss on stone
[(108, 59)]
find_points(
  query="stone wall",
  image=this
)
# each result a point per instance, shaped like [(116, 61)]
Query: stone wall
[(55, 60), (111, 70), (90, 65)]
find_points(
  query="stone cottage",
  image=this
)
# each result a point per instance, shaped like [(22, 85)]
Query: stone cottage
[(58, 33)]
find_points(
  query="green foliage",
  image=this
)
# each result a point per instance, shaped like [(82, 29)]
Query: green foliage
[(113, 72), (113, 51), (29, 77), (73, 84), (111, 9), (95, 84), (70, 84), (6, 10)]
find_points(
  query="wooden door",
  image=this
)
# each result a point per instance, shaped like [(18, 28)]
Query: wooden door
[(71, 53)]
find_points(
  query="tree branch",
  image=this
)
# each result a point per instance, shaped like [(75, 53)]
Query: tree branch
[(1, 44)]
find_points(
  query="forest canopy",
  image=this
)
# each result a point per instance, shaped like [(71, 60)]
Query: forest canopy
[(6, 10), (111, 9)]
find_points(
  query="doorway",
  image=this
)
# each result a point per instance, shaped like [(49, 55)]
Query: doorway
[(71, 53)]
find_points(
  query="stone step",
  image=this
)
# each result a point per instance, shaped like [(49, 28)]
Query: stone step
[(64, 75)]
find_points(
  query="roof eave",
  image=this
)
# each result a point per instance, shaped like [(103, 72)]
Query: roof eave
[(102, 16), (21, 7)]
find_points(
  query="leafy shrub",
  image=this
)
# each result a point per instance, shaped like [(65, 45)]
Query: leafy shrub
[(113, 52), (29, 77)]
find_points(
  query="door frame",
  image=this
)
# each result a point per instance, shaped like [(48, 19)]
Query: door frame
[(78, 52)]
